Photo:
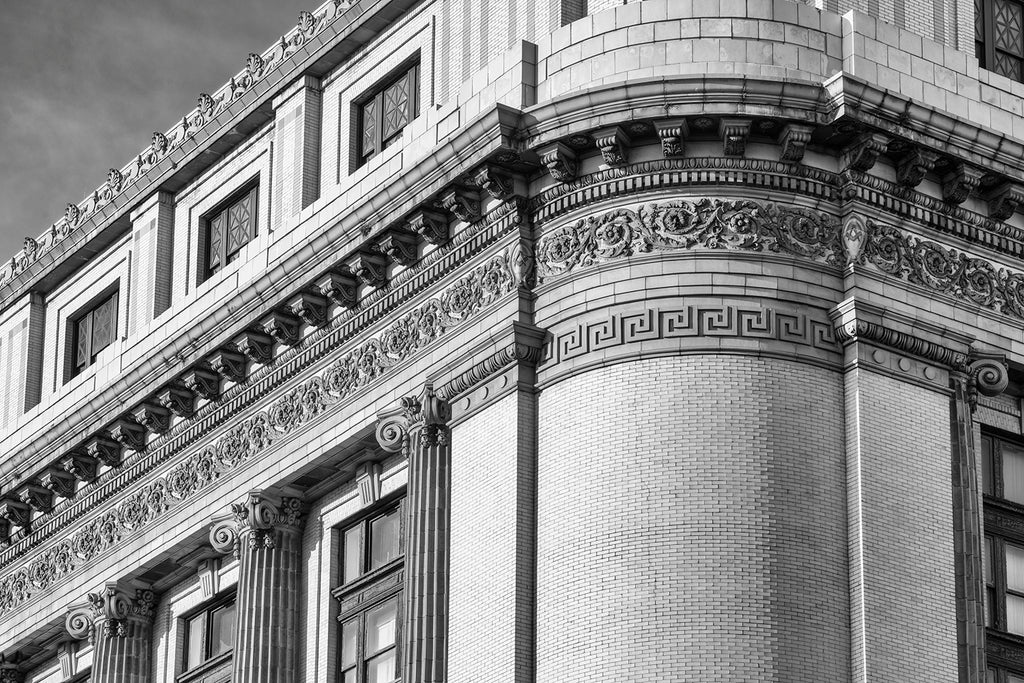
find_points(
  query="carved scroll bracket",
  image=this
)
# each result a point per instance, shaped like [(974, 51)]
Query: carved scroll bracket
[(224, 535), (987, 375)]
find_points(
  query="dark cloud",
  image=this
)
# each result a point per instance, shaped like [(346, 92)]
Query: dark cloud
[(83, 85)]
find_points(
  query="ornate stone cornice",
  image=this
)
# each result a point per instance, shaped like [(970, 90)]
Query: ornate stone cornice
[(207, 113), (526, 347), (862, 330)]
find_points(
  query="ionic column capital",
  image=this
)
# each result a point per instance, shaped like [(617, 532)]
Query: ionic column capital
[(261, 514), (424, 417), (109, 612)]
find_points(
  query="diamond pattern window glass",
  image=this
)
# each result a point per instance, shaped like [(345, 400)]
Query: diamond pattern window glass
[(385, 112), (999, 36), (92, 330), (228, 228)]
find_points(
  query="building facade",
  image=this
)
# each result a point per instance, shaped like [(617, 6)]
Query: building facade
[(457, 340)]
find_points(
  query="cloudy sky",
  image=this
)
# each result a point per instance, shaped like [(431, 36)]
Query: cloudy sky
[(83, 85)]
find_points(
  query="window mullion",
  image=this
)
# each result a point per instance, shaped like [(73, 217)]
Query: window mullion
[(1000, 577), (378, 141)]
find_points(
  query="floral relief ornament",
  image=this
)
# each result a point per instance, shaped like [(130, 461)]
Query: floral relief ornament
[(356, 369)]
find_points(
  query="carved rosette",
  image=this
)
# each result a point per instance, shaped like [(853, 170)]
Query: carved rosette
[(259, 518)]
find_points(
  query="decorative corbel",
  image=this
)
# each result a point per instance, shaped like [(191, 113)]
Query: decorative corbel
[(370, 268), (258, 347), (862, 154), (495, 183), (283, 327), (673, 133), (368, 482), (67, 658), (734, 134), (399, 246), (914, 166), (224, 535), (202, 382), (81, 466), (106, 450), (462, 204), (560, 160), (793, 141), (986, 375), (153, 417), (431, 225), (958, 184), (58, 481), (36, 497), (208, 572), (1004, 201), (310, 308), (129, 434), (340, 288), (614, 145), (178, 400), (16, 512), (229, 364)]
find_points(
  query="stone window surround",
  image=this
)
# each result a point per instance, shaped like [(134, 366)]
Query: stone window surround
[(67, 323), (250, 188), (410, 65)]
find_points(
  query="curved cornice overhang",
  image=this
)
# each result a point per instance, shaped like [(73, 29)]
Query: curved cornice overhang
[(242, 116)]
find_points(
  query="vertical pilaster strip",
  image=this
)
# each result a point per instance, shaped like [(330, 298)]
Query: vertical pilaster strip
[(120, 628), (970, 615), (296, 148), (35, 346), (420, 429), (269, 546)]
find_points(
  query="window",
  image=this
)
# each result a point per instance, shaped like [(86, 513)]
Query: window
[(999, 36), (92, 330), (1002, 483), (383, 114), (209, 639), (370, 595), (228, 228)]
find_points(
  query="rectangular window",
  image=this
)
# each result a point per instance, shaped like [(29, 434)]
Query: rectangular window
[(92, 330), (999, 36), (383, 114), (228, 228), (209, 637), (371, 599)]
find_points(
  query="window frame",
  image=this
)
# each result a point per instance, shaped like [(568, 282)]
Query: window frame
[(248, 191), (375, 95), (72, 330), (372, 588), (1003, 523), (210, 663), (985, 50)]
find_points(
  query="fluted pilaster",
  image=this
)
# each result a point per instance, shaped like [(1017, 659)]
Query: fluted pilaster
[(268, 544), (120, 627), (419, 428)]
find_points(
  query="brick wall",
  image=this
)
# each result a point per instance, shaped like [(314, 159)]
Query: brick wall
[(691, 523), (901, 531), (490, 595)]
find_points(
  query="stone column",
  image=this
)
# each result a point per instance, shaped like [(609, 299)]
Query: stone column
[(419, 429), (119, 626), (266, 535)]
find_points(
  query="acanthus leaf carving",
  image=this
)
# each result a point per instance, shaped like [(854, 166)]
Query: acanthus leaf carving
[(260, 515), (734, 134), (613, 144), (560, 160), (673, 135), (1005, 200), (16, 512), (793, 142), (81, 466), (283, 327), (914, 166), (58, 481), (960, 183), (37, 497), (862, 154), (153, 416), (129, 433)]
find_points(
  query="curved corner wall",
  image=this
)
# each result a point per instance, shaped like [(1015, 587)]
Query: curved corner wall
[(691, 523)]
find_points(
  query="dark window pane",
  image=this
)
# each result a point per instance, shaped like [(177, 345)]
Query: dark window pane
[(381, 669), (987, 485), (222, 630), (1013, 472), (384, 533), (353, 554), (195, 630), (83, 332), (380, 627)]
